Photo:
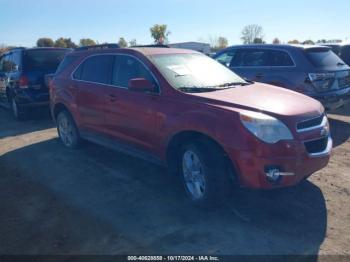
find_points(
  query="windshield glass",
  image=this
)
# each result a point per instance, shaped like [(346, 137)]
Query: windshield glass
[(47, 60), (323, 57), (195, 71)]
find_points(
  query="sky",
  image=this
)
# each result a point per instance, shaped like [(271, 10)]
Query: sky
[(22, 22)]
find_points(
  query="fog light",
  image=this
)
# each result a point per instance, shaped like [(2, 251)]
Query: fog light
[(274, 174)]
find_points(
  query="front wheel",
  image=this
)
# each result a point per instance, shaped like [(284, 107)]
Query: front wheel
[(204, 173), (67, 130)]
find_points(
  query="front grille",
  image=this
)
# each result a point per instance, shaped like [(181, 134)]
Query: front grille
[(310, 123), (344, 82), (316, 146)]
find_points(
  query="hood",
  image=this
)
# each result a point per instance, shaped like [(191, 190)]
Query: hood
[(264, 98)]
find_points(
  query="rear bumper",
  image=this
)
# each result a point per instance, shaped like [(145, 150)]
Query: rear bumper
[(333, 99), (32, 98), (252, 169)]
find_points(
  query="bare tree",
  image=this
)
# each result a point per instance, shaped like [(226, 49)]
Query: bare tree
[(133, 42), (252, 32)]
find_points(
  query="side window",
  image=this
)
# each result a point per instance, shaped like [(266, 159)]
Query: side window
[(280, 58), (126, 68), (16, 60), (251, 57), (226, 57), (2, 58), (98, 69), (7, 63)]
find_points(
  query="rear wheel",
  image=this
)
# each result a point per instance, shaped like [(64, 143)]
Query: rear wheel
[(67, 130), (204, 173), (17, 110)]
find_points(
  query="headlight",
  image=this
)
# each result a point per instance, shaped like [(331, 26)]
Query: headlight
[(265, 127)]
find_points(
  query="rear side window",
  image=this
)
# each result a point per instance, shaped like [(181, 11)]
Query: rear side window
[(68, 60), (97, 69), (45, 60), (16, 59), (6, 63), (345, 54), (320, 57), (226, 57), (280, 58), (251, 57), (127, 68)]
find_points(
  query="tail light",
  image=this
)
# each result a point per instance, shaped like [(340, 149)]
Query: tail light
[(322, 81), (23, 82)]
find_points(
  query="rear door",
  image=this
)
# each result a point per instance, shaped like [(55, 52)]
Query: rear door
[(251, 64), (93, 78)]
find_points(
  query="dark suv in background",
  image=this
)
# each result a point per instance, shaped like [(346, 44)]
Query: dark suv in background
[(342, 50), (312, 70), (22, 77)]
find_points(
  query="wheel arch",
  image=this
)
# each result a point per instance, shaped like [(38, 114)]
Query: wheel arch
[(183, 137)]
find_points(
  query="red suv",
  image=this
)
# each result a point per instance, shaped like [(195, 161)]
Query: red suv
[(182, 109)]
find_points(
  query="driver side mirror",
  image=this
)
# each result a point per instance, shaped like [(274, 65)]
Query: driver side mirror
[(141, 85)]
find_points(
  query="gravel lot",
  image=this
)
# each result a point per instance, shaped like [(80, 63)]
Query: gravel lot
[(96, 201)]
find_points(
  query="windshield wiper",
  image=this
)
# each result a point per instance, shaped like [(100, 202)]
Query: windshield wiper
[(231, 84), (194, 89)]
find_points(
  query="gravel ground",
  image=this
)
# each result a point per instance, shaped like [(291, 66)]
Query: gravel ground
[(96, 201)]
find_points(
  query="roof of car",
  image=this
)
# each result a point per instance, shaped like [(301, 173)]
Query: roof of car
[(278, 46), (147, 51)]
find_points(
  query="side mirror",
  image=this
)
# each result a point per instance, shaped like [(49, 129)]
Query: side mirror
[(141, 85)]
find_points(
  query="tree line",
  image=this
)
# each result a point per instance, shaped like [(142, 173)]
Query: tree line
[(250, 34)]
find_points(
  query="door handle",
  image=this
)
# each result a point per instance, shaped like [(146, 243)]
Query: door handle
[(112, 98)]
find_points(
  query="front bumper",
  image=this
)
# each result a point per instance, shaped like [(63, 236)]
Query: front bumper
[(297, 165)]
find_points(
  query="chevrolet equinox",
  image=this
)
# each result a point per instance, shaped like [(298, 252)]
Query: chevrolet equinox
[(184, 110)]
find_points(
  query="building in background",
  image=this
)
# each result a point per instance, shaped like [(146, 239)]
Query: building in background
[(197, 46)]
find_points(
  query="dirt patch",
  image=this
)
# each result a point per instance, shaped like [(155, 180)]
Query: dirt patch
[(96, 201)]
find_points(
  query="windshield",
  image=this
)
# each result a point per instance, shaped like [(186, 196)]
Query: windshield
[(47, 60), (320, 57), (195, 71)]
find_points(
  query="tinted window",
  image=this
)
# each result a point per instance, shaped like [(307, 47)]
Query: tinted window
[(226, 57), (97, 69), (127, 68), (345, 54), (251, 57), (7, 64), (322, 57), (16, 59), (47, 60), (280, 58), (68, 60)]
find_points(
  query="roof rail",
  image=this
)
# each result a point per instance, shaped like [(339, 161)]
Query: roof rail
[(97, 47), (156, 45), (15, 48)]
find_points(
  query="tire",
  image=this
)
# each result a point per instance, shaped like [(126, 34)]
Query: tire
[(204, 173), (17, 110), (67, 130)]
